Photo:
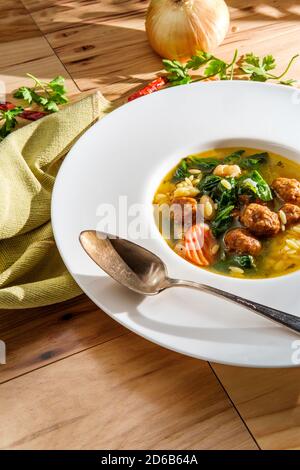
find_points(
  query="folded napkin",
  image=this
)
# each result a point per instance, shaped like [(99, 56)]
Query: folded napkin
[(32, 273)]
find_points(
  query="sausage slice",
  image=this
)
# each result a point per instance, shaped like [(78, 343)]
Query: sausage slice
[(241, 241), (260, 220), (288, 189)]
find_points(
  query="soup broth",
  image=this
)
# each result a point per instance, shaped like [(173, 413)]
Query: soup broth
[(248, 199)]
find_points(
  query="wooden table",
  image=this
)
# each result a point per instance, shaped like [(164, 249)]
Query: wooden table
[(74, 377)]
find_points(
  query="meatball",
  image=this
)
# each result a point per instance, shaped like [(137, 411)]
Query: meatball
[(292, 213), (184, 210), (240, 240), (288, 189), (260, 220)]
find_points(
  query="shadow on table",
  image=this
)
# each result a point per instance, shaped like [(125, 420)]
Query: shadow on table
[(120, 296), (101, 47), (268, 399), (265, 8)]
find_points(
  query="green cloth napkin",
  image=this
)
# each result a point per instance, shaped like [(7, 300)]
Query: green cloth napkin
[(32, 273)]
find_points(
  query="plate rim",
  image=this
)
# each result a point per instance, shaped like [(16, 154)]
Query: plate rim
[(98, 302)]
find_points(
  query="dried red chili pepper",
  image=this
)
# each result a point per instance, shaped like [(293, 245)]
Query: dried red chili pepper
[(32, 115), (26, 114), (6, 106), (155, 85)]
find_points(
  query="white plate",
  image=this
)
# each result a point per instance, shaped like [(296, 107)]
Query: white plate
[(127, 153)]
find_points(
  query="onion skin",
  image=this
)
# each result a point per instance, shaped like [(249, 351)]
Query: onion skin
[(177, 29)]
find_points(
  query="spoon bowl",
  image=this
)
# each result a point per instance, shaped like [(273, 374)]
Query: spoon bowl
[(127, 263)]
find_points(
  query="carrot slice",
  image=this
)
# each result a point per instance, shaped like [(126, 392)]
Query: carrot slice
[(199, 242)]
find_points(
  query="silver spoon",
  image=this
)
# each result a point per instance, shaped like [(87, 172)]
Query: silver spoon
[(145, 273)]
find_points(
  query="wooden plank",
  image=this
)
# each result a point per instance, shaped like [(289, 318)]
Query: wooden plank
[(103, 44), (23, 49), (113, 59), (125, 394), (268, 400), (55, 15), (44, 68), (18, 52), (15, 22), (39, 336)]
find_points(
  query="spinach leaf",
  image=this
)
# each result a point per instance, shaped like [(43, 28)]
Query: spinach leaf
[(206, 165), (240, 261), (181, 172), (253, 161), (234, 158), (246, 163), (226, 197), (222, 221), (211, 185), (254, 183), (243, 261), (208, 184)]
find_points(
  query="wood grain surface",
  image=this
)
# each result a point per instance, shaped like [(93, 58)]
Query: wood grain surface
[(74, 377), (38, 336), (124, 394), (103, 43), (269, 402)]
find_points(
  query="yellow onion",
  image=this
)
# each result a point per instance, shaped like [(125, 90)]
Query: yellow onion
[(176, 29)]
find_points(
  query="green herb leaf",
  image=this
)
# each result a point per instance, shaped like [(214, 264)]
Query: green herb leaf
[(244, 261), (222, 221), (234, 157), (206, 165), (259, 69), (251, 59), (24, 93), (30, 96), (177, 72), (58, 85), (9, 118), (216, 67), (288, 82), (51, 106), (253, 161), (225, 197), (208, 184), (198, 60), (47, 95), (240, 261), (268, 62), (254, 183), (181, 172), (211, 185), (246, 163)]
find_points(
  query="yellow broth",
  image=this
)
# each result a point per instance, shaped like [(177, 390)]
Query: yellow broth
[(280, 254)]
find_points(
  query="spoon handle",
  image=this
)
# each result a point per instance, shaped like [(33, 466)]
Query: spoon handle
[(290, 321)]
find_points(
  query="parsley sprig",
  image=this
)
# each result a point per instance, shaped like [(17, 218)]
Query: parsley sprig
[(48, 95), (258, 68), (179, 74), (250, 66), (9, 120)]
